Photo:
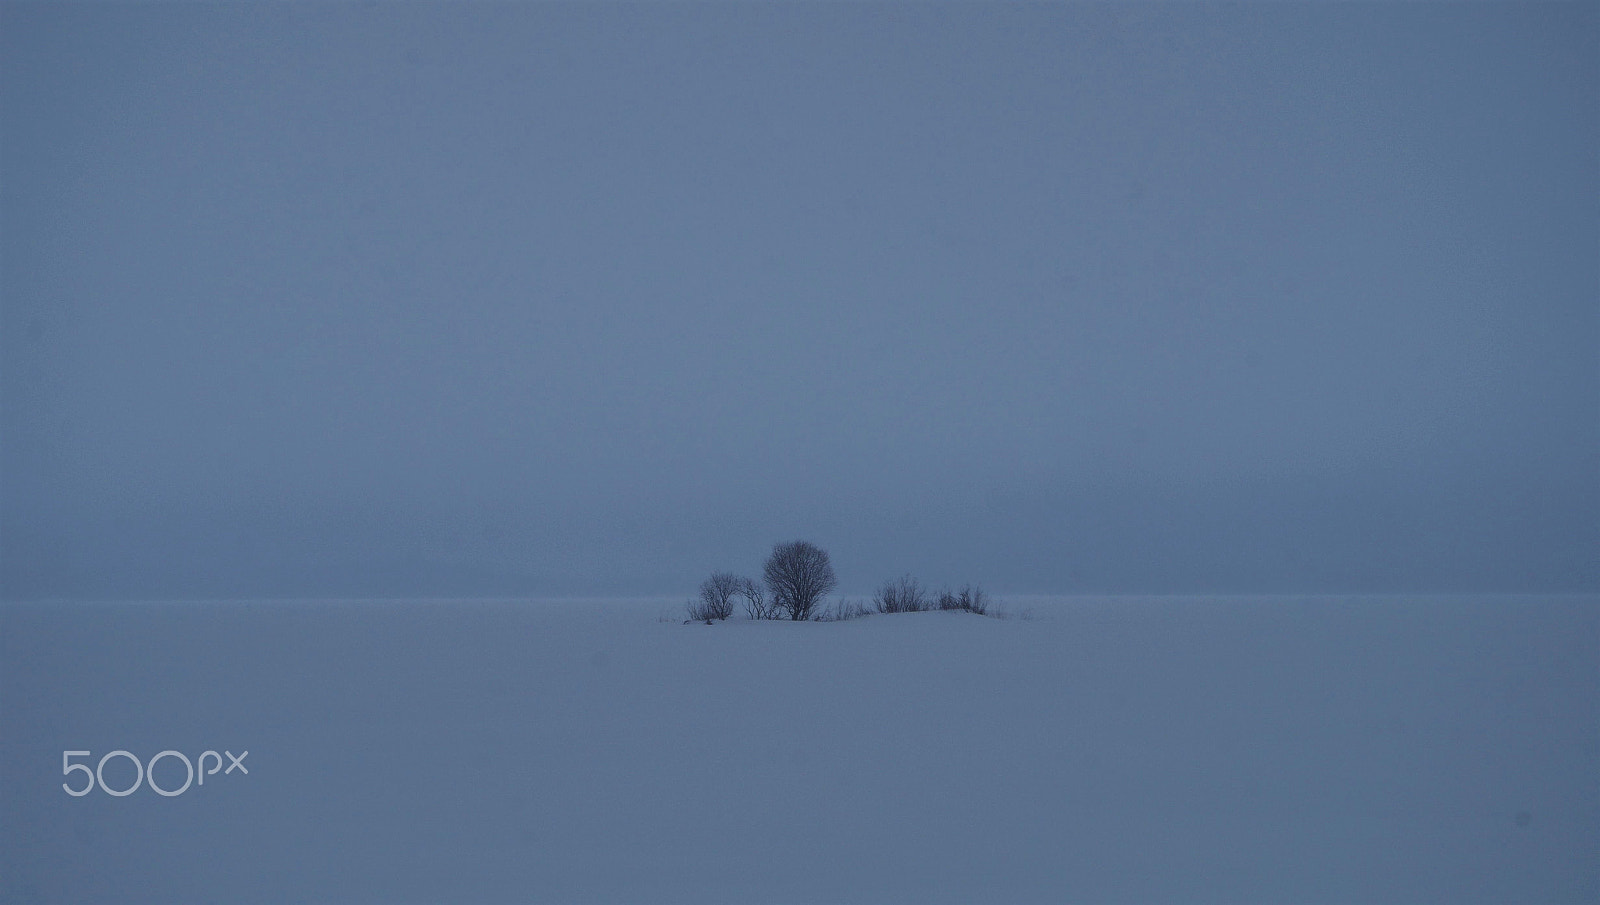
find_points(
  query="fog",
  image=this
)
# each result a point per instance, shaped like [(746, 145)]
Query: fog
[(422, 299)]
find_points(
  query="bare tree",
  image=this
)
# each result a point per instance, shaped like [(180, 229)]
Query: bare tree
[(716, 596), (902, 595), (798, 575), (756, 604)]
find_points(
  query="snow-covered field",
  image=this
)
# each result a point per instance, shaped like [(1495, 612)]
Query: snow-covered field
[(1442, 749)]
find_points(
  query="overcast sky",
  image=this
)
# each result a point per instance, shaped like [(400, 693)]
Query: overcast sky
[(511, 298)]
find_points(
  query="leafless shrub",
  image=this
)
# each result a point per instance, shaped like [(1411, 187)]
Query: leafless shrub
[(973, 600), (842, 611), (970, 598), (756, 604), (798, 575), (716, 595), (698, 611), (902, 595)]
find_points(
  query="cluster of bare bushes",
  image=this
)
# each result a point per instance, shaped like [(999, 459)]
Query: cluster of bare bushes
[(906, 595), (844, 609), (796, 577), (717, 595)]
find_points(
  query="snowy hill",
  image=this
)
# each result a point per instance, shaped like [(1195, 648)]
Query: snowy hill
[(1104, 750)]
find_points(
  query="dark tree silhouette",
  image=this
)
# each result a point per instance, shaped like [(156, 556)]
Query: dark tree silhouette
[(903, 595), (971, 599), (798, 576), (756, 604), (716, 596)]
